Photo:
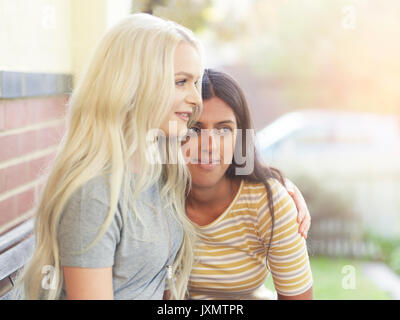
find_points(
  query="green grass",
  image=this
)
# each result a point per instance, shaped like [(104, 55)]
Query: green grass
[(328, 278)]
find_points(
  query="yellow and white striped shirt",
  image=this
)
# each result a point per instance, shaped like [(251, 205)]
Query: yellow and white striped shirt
[(231, 254)]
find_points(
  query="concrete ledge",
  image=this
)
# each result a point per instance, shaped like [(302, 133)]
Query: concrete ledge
[(15, 85)]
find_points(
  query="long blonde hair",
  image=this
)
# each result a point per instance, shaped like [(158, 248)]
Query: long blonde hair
[(126, 90)]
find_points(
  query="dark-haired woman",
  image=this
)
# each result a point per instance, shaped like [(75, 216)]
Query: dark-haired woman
[(246, 219)]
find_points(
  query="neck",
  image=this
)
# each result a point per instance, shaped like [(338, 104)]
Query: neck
[(212, 196)]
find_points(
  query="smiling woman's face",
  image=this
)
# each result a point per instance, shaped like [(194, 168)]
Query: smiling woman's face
[(211, 142), (187, 72)]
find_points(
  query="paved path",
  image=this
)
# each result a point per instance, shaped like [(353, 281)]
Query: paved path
[(383, 277)]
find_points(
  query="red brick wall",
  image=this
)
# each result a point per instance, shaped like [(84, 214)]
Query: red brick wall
[(30, 130)]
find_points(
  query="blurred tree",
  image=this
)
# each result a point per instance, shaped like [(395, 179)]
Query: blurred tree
[(189, 13), (336, 55), (146, 6)]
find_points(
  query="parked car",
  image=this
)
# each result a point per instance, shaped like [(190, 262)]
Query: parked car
[(335, 142), (357, 154)]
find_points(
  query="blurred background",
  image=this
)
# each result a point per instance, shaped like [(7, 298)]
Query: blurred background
[(321, 77)]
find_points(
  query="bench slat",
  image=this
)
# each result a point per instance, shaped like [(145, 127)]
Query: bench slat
[(15, 257), (16, 234)]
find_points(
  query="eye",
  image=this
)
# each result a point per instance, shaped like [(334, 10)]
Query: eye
[(193, 131), (223, 131), (180, 82)]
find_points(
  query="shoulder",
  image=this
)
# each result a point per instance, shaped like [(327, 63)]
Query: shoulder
[(282, 203), (258, 190), (253, 190), (96, 188), (88, 232), (259, 187), (88, 205)]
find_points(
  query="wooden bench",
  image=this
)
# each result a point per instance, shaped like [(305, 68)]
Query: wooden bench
[(16, 247)]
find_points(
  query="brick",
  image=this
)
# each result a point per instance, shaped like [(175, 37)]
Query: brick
[(39, 166), (15, 176), (27, 142), (49, 136), (47, 108), (15, 206), (22, 173), (2, 181), (8, 147), (15, 114), (17, 145), (8, 210), (13, 146), (25, 201), (24, 112), (2, 124)]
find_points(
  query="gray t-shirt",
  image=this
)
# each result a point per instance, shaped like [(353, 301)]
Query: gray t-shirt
[(139, 257)]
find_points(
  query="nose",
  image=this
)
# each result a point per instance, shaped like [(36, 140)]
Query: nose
[(209, 143), (193, 97)]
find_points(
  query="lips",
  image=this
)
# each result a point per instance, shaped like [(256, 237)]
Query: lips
[(183, 115), (210, 165)]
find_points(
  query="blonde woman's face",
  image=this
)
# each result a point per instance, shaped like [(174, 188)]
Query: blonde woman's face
[(187, 72)]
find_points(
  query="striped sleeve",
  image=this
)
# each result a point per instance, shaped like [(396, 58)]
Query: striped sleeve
[(288, 258)]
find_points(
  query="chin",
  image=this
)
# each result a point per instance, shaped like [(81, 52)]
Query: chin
[(204, 180), (204, 183), (179, 131)]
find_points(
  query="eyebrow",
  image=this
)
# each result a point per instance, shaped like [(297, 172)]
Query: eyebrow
[(220, 122), (183, 73)]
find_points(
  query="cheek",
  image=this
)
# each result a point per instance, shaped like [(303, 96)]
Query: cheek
[(178, 99), (190, 148), (227, 148)]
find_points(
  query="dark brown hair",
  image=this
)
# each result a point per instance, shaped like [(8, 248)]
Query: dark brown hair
[(223, 86)]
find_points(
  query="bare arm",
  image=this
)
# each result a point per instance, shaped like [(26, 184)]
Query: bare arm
[(88, 283), (308, 295), (303, 215)]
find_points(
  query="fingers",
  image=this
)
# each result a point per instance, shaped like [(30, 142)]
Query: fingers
[(291, 192), (295, 198), (305, 226), (300, 216), (302, 225), (303, 216), (301, 230), (290, 187)]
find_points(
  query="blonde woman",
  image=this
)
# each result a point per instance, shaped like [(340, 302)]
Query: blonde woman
[(110, 222)]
